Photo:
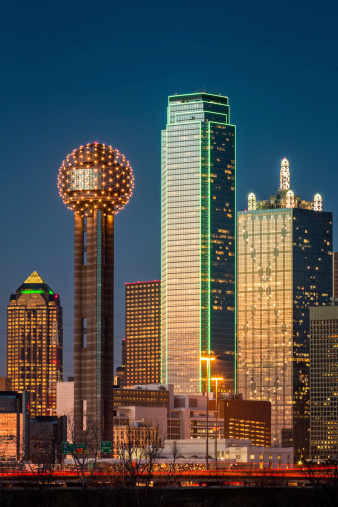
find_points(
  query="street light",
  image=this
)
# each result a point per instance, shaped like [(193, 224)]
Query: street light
[(216, 379), (207, 359)]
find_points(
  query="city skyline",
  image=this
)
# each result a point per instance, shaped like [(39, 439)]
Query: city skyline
[(273, 64)]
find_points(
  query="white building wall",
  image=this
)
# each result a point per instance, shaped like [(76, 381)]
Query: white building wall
[(64, 398), (233, 451), (155, 416)]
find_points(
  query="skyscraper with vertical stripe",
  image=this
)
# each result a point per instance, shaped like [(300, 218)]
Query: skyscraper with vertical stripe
[(198, 241)]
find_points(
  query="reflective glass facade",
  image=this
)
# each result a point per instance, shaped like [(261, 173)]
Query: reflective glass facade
[(284, 266), (198, 240), (34, 344)]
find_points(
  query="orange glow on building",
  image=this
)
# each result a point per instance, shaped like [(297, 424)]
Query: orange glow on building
[(34, 343), (143, 333)]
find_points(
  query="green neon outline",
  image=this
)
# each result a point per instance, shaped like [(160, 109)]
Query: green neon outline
[(209, 250), (33, 291), (201, 266), (198, 93), (235, 215), (164, 132), (225, 123)]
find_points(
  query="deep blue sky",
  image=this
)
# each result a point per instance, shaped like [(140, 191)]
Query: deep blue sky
[(74, 72)]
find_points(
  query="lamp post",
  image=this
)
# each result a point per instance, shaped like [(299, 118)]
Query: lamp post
[(207, 359), (216, 379)]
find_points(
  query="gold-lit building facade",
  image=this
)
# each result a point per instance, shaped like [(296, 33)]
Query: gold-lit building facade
[(14, 426), (132, 438), (143, 333), (34, 343), (284, 266)]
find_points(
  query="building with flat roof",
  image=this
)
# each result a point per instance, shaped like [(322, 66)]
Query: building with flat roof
[(284, 266), (65, 398), (132, 439), (230, 452), (324, 382), (153, 395), (14, 425), (151, 416), (143, 333), (247, 419), (46, 436), (198, 241), (34, 343), (5, 384)]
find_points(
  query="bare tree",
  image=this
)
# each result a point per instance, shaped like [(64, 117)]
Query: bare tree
[(41, 462), (324, 479), (85, 446), (139, 452)]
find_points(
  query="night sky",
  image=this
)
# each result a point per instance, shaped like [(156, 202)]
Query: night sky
[(78, 72)]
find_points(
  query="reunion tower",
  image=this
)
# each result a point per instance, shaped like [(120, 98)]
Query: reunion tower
[(96, 182)]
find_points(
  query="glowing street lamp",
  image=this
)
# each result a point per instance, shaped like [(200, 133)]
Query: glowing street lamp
[(216, 379), (207, 358)]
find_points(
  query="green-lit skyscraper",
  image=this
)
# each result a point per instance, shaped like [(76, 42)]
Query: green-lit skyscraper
[(198, 241)]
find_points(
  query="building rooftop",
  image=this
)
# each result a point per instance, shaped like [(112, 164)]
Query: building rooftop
[(285, 197), (34, 284)]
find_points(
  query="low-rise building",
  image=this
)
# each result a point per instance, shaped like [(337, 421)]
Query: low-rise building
[(246, 419), (132, 439), (14, 425), (46, 435), (152, 395), (5, 384), (231, 451), (151, 416)]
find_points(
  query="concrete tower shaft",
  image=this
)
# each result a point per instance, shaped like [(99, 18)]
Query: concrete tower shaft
[(94, 321)]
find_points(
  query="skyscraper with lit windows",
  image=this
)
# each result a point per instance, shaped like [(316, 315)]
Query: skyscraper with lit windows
[(143, 333), (198, 241), (284, 266), (34, 343)]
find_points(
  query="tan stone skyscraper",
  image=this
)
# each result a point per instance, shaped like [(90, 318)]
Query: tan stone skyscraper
[(95, 181), (34, 343)]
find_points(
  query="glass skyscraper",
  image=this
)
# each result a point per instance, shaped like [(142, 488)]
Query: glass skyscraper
[(198, 241), (284, 266)]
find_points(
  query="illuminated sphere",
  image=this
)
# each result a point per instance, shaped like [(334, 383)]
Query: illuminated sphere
[(93, 177)]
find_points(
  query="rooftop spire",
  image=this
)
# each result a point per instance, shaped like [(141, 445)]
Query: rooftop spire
[(285, 175)]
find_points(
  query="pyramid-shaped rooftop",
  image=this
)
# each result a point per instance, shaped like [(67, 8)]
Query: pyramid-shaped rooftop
[(35, 284)]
